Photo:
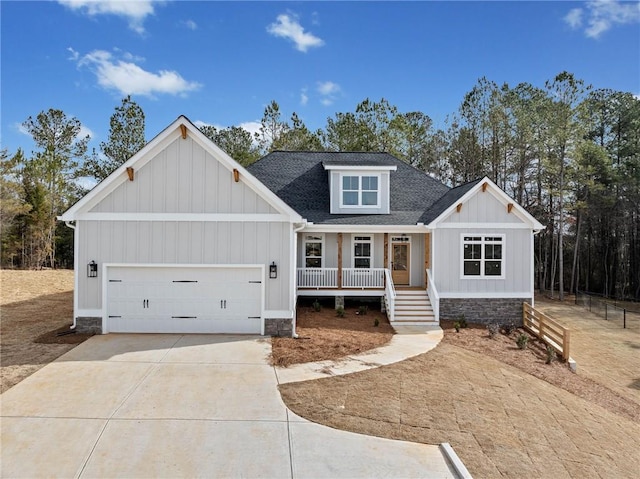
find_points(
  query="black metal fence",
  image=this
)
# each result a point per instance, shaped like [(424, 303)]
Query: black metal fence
[(609, 309)]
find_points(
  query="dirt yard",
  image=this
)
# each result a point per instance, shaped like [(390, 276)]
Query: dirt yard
[(506, 412), (34, 307), (324, 335)]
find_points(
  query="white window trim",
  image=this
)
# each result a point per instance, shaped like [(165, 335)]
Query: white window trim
[(304, 250), (482, 259), (353, 249), (360, 174)]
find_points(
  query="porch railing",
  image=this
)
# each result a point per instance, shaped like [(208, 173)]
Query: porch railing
[(363, 278), (434, 297), (317, 277), (360, 278)]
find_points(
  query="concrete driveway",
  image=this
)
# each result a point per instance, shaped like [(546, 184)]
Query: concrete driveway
[(181, 406)]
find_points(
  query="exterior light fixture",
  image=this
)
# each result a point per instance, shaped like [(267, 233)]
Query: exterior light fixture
[(92, 269), (273, 270)]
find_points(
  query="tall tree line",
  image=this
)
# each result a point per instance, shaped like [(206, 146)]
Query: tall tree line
[(570, 154)]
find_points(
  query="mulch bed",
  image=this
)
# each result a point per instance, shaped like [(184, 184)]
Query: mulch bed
[(322, 335), (62, 335)]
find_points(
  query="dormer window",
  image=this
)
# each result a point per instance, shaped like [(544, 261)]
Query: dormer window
[(357, 188), (360, 191)]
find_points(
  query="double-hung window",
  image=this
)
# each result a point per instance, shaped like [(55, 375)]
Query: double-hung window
[(483, 256), (360, 191), (362, 251), (313, 250)]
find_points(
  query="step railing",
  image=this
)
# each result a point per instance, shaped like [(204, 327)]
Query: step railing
[(389, 295), (434, 297)]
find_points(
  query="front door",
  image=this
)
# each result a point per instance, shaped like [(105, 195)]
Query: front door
[(400, 264)]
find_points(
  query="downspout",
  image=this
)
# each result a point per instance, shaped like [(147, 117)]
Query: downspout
[(294, 297), (75, 272)]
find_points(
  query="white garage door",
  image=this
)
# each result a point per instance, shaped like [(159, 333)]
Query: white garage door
[(184, 300)]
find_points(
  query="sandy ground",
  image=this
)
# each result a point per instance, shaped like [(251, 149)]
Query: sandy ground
[(604, 351), (524, 419), (33, 306)]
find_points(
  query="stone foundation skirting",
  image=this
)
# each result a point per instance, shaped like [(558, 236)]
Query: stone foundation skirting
[(281, 327), (88, 325), (483, 310)]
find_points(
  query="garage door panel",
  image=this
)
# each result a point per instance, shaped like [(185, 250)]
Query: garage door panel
[(184, 300)]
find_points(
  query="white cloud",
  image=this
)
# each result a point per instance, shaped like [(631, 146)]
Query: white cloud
[(74, 54), (328, 91), (574, 18), (637, 97), (84, 132), (190, 24), (127, 78), (21, 129), (134, 12), (602, 15), (287, 26), (304, 98), (252, 127), (86, 182)]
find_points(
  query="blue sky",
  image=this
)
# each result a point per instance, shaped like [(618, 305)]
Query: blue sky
[(221, 63)]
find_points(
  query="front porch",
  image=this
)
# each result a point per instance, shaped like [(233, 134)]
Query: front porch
[(392, 266)]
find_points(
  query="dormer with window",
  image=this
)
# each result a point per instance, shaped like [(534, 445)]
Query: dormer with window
[(359, 189)]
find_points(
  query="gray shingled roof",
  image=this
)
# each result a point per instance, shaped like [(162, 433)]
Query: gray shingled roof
[(299, 179)]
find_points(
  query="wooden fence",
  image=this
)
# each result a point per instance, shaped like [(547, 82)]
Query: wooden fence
[(546, 329)]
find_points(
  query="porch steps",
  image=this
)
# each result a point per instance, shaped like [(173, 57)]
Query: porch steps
[(413, 308)]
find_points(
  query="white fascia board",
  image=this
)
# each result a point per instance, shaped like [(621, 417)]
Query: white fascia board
[(184, 217), (161, 141), (360, 168), (486, 226), (491, 295), (119, 176), (250, 180), (500, 195), (320, 228)]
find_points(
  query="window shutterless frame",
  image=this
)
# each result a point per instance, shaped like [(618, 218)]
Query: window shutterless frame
[(360, 190), (482, 256), (313, 250), (362, 251)]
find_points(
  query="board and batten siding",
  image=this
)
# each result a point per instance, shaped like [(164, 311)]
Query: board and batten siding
[(183, 178), (196, 242), (447, 260), (483, 207)]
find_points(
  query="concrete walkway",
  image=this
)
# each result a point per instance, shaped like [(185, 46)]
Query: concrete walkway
[(182, 406), (407, 343)]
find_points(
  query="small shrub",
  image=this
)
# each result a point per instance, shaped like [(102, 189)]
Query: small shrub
[(522, 341), (508, 328), (457, 326), (363, 309), (340, 312), (493, 328), (316, 306), (376, 322), (463, 321), (551, 355)]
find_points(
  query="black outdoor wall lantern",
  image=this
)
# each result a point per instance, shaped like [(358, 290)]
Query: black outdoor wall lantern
[(273, 270), (92, 269)]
